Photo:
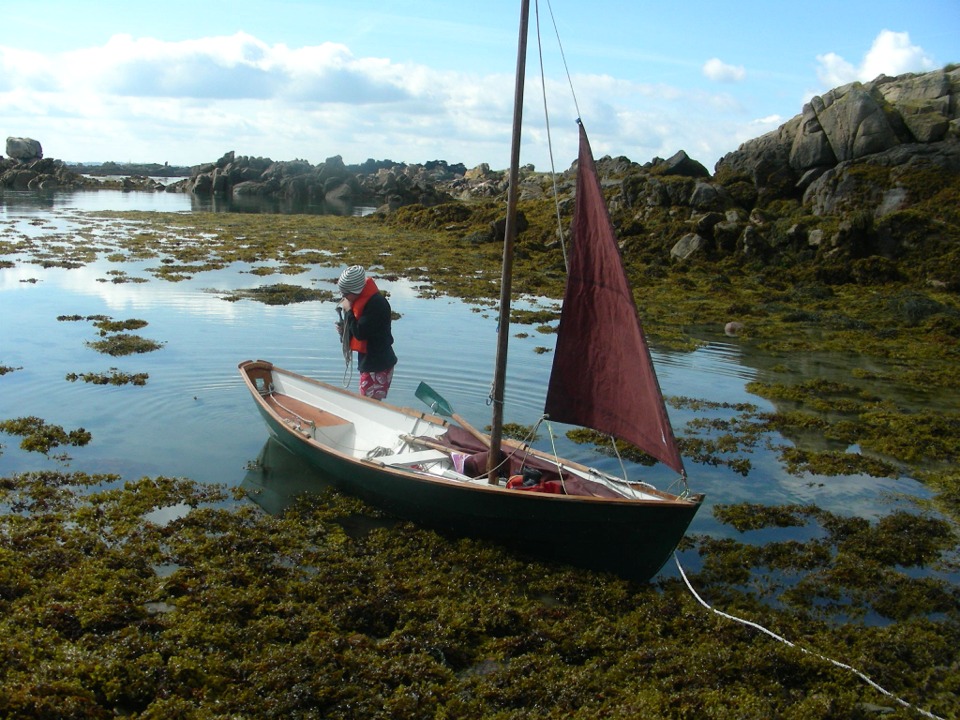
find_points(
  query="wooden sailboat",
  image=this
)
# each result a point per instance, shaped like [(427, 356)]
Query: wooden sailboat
[(424, 468)]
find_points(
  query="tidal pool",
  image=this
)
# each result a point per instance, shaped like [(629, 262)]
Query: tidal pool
[(193, 418)]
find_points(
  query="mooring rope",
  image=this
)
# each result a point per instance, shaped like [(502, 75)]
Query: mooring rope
[(300, 419), (345, 347), (772, 634)]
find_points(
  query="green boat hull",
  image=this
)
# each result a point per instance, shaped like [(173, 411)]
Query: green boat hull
[(630, 539)]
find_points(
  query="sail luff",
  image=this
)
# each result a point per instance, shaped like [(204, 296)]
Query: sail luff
[(603, 376), (506, 275)]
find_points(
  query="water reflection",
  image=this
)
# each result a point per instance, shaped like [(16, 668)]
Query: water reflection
[(277, 206), (194, 418), (19, 202), (14, 203), (278, 477)]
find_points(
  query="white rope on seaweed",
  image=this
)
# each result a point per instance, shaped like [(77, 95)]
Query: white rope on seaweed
[(772, 634)]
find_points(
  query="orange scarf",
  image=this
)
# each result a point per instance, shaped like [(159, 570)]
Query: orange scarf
[(369, 290)]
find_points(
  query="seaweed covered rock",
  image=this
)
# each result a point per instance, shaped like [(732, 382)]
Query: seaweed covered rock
[(298, 181), (40, 174), (887, 121)]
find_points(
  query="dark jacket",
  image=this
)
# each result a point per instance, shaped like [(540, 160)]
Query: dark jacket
[(374, 326)]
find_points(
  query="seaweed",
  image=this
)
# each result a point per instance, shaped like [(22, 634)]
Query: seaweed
[(124, 344), (263, 616), (113, 377), (39, 436), (279, 294)]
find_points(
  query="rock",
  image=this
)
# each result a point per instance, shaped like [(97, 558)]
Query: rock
[(810, 176), (726, 234), (498, 228), (18, 179), (342, 194), (706, 223), (705, 196), (24, 149), (923, 102), (796, 235), (849, 185), (886, 122), (682, 164), (688, 246), (876, 709), (752, 243), (248, 189), (220, 182), (854, 123), (332, 169), (893, 200), (386, 185), (811, 148), (480, 172), (41, 174)]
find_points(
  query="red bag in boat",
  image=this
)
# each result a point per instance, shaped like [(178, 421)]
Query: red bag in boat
[(550, 486)]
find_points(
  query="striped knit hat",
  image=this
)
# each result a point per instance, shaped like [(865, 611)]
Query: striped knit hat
[(352, 280)]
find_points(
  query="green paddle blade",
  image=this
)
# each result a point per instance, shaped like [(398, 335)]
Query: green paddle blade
[(432, 398)]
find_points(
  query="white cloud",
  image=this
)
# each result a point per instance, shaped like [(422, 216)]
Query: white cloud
[(890, 54), (188, 102), (768, 121), (719, 71), (834, 70)]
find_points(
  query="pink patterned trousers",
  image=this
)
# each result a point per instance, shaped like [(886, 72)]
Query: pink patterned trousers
[(376, 384)]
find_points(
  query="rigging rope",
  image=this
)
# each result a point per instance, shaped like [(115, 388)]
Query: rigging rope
[(563, 56), (772, 634), (676, 558), (546, 115)]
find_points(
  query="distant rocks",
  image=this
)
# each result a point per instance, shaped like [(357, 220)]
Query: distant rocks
[(25, 168), (859, 181), (385, 184)]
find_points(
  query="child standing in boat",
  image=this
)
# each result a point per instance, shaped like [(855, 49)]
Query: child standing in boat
[(366, 324)]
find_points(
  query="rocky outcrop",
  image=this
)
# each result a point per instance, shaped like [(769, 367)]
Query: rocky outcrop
[(678, 164), (40, 174), (883, 122), (25, 168), (862, 183), (332, 182)]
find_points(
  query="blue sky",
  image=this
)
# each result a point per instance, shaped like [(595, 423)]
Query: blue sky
[(185, 82)]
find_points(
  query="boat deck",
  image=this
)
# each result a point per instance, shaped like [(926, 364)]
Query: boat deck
[(291, 408), (419, 456)]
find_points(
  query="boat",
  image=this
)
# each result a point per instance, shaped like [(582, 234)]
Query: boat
[(437, 470)]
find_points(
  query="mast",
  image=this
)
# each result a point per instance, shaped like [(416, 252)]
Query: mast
[(510, 234)]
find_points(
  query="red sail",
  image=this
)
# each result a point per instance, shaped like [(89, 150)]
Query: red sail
[(603, 377)]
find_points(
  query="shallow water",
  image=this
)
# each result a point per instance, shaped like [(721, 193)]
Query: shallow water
[(195, 419), (15, 203)]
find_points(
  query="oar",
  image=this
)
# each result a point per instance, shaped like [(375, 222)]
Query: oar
[(439, 404)]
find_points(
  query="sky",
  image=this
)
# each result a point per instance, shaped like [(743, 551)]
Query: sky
[(185, 82)]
